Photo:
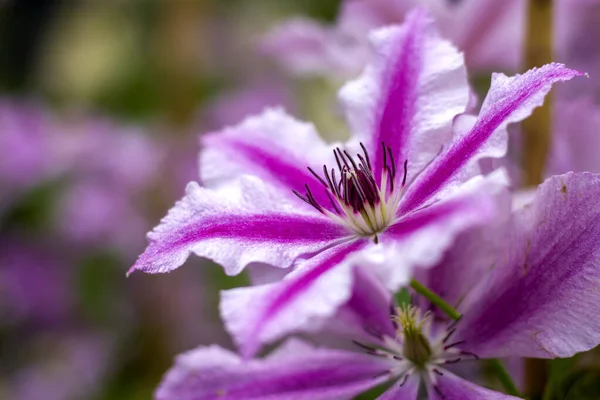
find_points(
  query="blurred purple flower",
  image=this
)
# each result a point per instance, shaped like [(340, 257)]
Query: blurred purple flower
[(109, 171), (70, 367), (33, 285), (490, 32), (411, 188), (233, 107), (538, 300)]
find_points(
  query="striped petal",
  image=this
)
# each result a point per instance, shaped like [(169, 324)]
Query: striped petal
[(510, 99), (541, 299), (410, 94), (273, 147), (296, 371), (235, 226), (302, 301)]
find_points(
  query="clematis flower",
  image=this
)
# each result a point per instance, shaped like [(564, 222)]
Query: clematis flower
[(492, 35), (538, 300), (390, 199), (490, 32)]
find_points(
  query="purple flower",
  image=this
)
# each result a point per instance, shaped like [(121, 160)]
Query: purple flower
[(537, 299), (390, 199), (490, 32)]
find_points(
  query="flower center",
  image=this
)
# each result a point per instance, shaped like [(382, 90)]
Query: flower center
[(415, 345), (366, 206), (416, 348)]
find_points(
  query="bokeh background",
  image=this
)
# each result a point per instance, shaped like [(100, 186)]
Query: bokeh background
[(101, 107)]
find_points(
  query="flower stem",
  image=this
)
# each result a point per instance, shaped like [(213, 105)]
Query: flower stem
[(436, 300), (504, 377), (537, 128), (536, 142)]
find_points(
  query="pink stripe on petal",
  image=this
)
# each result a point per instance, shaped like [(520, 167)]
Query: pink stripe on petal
[(262, 314), (409, 95), (510, 99), (401, 80), (272, 146), (296, 371), (541, 299), (205, 224)]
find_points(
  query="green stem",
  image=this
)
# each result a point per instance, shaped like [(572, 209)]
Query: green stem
[(504, 377), (436, 300)]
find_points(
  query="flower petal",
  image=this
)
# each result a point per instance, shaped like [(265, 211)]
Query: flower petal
[(305, 47), (235, 226), (421, 238), (575, 149), (272, 146), (408, 391), (470, 258), (365, 317), (296, 372), (303, 301), (409, 96), (541, 300), (510, 99), (450, 387)]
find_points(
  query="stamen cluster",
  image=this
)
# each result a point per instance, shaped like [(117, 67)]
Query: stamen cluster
[(357, 200), (415, 349)]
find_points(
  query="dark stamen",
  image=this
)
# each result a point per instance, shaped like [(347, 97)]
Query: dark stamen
[(373, 332), (366, 153), (392, 162), (453, 345), (302, 197), (404, 379), (330, 183), (351, 160), (343, 158), (454, 323), (385, 166), (468, 353), (337, 160), (363, 346), (336, 187), (453, 361), (405, 172), (437, 371), (450, 332), (384, 373), (437, 390), (332, 200), (317, 176)]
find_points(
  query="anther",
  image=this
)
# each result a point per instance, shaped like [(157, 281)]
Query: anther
[(317, 176), (453, 345), (437, 390), (404, 379), (450, 332), (468, 353), (453, 361), (366, 153)]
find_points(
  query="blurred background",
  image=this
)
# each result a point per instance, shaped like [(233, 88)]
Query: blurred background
[(101, 107)]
